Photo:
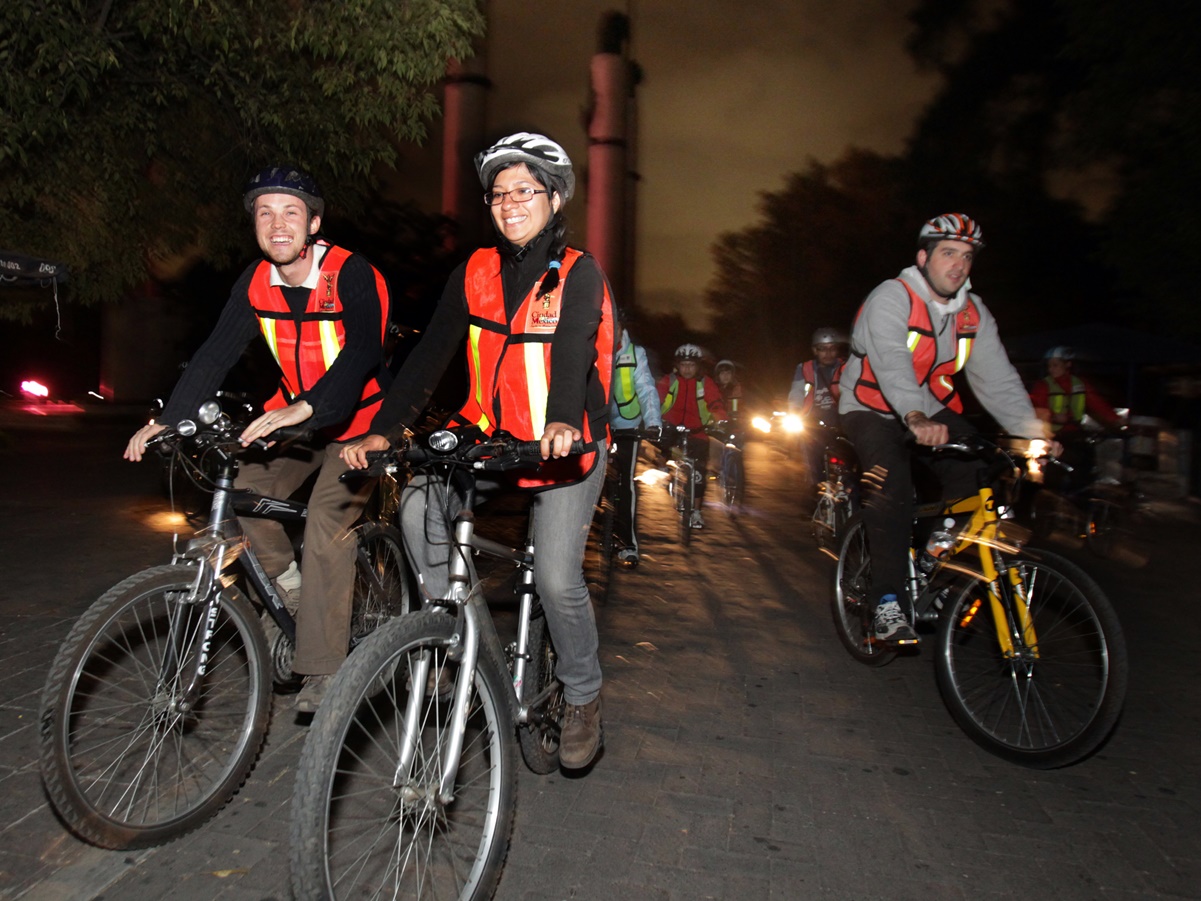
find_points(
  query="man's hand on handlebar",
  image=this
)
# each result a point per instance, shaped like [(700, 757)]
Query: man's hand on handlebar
[(293, 414), (557, 438), (926, 431), (355, 453), (137, 444)]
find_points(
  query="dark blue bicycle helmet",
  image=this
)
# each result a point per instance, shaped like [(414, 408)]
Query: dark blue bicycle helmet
[(285, 180)]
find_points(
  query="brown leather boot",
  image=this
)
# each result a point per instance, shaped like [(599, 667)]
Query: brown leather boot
[(582, 735)]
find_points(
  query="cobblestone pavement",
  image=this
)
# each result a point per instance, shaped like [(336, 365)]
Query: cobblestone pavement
[(747, 756)]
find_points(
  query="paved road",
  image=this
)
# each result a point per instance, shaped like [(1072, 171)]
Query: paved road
[(747, 756)]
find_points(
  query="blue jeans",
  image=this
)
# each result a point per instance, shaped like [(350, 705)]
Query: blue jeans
[(562, 516)]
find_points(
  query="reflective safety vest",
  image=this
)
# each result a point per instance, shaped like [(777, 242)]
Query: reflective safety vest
[(669, 400), (924, 347), (1066, 407), (809, 374), (304, 356), (624, 394), (508, 362)]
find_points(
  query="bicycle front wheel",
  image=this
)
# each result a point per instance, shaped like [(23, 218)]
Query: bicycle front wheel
[(851, 604), (732, 481), (684, 497), (363, 826), (381, 580), (129, 757), (1057, 696)]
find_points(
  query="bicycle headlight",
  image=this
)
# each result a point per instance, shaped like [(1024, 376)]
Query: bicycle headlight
[(443, 441)]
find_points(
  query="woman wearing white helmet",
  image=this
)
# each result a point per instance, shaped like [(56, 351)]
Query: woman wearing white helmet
[(693, 400), (530, 291)]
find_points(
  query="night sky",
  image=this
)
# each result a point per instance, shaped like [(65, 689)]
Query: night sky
[(734, 96)]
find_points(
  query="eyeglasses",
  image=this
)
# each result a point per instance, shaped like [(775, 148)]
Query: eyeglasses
[(517, 195)]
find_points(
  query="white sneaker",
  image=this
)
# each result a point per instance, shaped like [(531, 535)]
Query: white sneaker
[(697, 521), (890, 623)]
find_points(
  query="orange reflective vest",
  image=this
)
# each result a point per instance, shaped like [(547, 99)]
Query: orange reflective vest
[(924, 347), (508, 362), (305, 356)]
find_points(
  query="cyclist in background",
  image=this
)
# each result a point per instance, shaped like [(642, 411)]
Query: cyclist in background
[(538, 319), (1062, 399), (323, 312), (911, 335), (725, 373), (694, 401), (814, 395), (635, 405)]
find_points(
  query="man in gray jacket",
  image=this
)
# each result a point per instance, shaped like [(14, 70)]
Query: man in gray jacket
[(911, 336)]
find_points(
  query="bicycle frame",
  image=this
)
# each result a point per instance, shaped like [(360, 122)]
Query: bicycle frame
[(1009, 607), (472, 614)]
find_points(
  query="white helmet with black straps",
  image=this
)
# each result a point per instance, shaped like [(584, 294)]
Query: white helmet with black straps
[(689, 352), (526, 147), (951, 227)]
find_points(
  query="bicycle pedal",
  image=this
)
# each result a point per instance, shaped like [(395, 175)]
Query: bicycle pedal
[(907, 642)]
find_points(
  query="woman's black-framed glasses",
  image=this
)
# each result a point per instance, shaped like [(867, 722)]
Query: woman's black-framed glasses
[(517, 195)]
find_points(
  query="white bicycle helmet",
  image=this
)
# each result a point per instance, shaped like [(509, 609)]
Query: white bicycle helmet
[(526, 147), (724, 364), (1060, 353), (689, 352), (952, 227)]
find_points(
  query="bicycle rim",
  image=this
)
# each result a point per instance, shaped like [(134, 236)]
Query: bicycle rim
[(381, 587), (125, 765), (1051, 702), (850, 605), (362, 829), (540, 737)]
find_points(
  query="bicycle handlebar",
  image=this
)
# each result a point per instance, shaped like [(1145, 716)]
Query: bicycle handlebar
[(494, 454)]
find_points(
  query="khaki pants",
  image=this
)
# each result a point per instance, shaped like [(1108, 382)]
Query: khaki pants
[(327, 565)]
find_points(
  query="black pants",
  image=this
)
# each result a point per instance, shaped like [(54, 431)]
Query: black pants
[(886, 454), (625, 508)]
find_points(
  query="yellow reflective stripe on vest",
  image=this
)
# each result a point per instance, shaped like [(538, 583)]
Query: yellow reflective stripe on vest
[(914, 338), (268, 326), (536, 385), (330, 346), (473, 345), (962, 352)]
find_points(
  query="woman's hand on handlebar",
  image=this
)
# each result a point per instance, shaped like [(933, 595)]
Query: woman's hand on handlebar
[(355, 453), (557, 438), (293, 414), (137, 444)]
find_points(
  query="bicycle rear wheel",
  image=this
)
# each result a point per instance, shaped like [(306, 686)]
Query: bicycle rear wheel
[(540, 736), (851, 603), (129, 759), (360, 828), (1053, 701)]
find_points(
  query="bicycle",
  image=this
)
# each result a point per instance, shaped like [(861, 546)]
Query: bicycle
[(406, 784), (684, 476), (732, 472), (156, 704), (837, 491), (1106, 512), (1030, 657)]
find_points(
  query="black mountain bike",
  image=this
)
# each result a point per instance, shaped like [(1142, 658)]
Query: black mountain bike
[(157, 702)]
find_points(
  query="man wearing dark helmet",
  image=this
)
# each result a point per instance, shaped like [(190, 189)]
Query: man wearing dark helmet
[(911, 336), (322, 311)]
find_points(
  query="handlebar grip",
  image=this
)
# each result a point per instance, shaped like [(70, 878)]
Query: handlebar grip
[(532, 450)]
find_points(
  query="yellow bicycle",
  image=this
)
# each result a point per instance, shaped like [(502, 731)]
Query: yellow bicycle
[(1029, 654)]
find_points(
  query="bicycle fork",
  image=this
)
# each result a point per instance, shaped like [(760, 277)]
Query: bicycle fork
[(465, 649)]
